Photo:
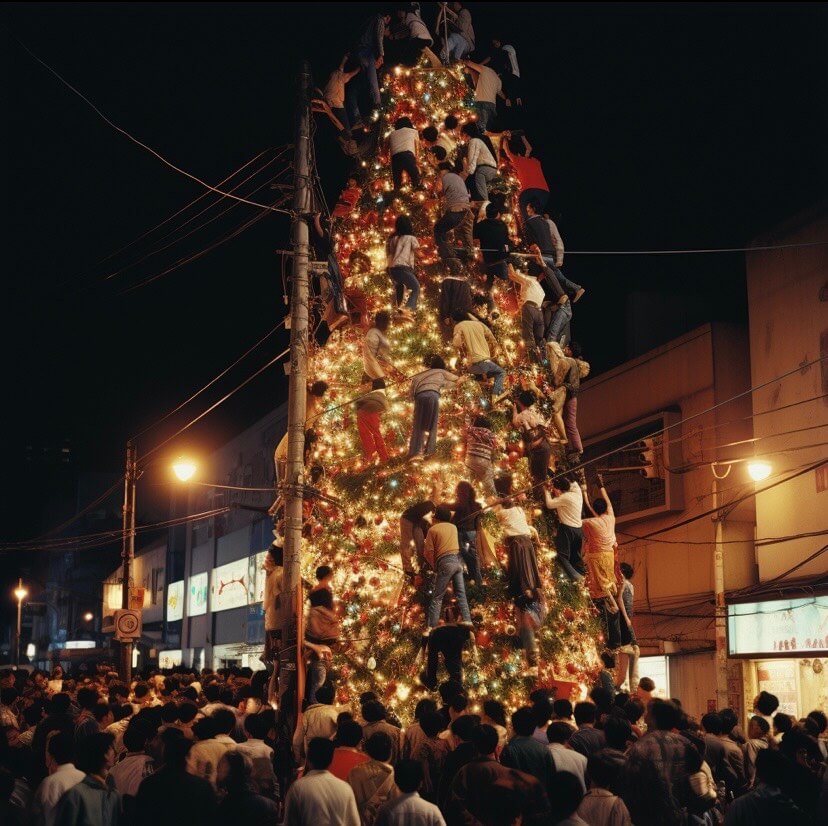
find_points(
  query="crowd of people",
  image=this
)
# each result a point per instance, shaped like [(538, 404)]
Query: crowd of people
[(205, 747)]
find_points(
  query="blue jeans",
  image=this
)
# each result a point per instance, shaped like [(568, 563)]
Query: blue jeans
[(404, 277), (468, 550), (368, 75), (457, 47), (480, 182), (315, 679), (485, 113), (561, 317), (566, 285), (426, 413), (481, 368), (449, 569)]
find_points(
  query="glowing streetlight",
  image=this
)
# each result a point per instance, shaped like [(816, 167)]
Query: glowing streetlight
[(20, 594), (184, 469), (759, 470), (88, 616)]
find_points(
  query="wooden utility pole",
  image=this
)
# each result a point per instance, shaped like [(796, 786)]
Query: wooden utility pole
[(291, 662), (128, 549)]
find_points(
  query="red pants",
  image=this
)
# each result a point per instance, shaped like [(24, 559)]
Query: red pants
[(368, 425)]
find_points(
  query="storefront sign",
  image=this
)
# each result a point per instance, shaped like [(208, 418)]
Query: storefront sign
[(783, 627), (197, 603), (228, 585), (175, 601), (778, 677)]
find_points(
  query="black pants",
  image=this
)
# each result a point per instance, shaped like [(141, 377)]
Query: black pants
[(611, 623), (404, 162)]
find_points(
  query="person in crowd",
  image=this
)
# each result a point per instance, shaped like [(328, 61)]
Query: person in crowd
[(768, 802), (758, 738), (600, 806), (347, 754), (410, 38), (62, 776), (529, 172), (442, 553), (587, 739), (482, 446), (213, 739), (58, 719), (129, 772), (377, 720), (404, 148), (655, 779), (431, 753), (240, 801), (619, 736), (562, 712), (318, 797), (457, 217), (448, 639), (274, 577), (568, 502), (527, 419), (566, 758), (765, 705), (413, 528), (370, 52), (373, 781), (733, 754), (629, 644), (457, 19), (318, 720), (479, 164), (408, 808), (644, 691), (525, 753), (348, 198), (466, 515), (495, 244), (462, 734), (532, 298), (260, 755), (476, 342), (334, 95), (425, 390), (93, 801), (494, 715), (376, 349), (487, 89), (455, 297), (432, 137), (414, 735), (401, 257), (782, 724), (370, 407)]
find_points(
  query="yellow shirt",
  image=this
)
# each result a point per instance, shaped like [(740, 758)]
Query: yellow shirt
[(440, 540), (476, 339)]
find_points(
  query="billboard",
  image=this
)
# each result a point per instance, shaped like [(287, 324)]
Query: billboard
[(228, 585), (175, 601), (256, 578), (781, 628), (197, 599)]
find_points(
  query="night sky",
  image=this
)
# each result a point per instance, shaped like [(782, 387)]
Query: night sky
[(660, 127)]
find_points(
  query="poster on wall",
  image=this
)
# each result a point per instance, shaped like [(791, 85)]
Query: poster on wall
[(256, 578), (169, 659), (197, 595), (175, 601), (228, 585), (783, 627), (778, 677)]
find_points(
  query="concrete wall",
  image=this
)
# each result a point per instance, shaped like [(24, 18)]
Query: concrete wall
[(788, 296), (674, 570)]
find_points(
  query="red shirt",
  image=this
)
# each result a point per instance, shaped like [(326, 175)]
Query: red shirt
[(344, 760), (347, 201), (529, 172)]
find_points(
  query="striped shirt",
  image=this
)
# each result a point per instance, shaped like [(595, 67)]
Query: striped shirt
[(433, 380)]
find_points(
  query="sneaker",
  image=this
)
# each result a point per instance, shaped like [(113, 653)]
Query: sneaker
[(578, 294)]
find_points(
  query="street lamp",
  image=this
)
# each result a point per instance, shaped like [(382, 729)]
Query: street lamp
[(759, 470), (20, 593), (184, 469), (88, 616)]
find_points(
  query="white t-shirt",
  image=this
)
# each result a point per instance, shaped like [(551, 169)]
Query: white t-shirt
[(403, 140), (400, 251), (568, 505), (335, 89), (488, 85), (513, 521), (512, 55), (530, 290)]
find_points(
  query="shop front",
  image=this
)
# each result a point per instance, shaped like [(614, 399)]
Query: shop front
[(783, 647)]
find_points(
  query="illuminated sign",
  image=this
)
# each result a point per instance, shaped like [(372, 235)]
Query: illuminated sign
[(256, 578), (169, 659), (228, 585), (71, 645), (197, 599), (783, 627), (175, 601)]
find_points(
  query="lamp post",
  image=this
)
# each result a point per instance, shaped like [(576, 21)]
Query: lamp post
[(20, 593), (758, 470)]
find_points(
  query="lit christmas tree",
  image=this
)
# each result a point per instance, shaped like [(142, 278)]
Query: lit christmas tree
[(383, 612)]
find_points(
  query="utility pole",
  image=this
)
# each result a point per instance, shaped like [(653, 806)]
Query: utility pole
[(291, 661), (128, 549), (721, 606)]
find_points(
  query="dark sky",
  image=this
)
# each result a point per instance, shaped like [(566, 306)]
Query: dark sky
[(660, 126)]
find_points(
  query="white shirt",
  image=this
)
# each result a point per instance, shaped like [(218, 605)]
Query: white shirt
[(446, 142), (409, 810), (488, 85), (400, 251), (204, 756), (319, 720), (568, 505), (530, 289), (50, 791), (513, 521), (480, 155), (403, 140), (320, 798), (512, 55), (128, 773), (255, 749), (567, 760)]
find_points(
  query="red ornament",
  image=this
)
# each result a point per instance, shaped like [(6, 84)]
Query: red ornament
[(484, 639), (571, 668), (374, 582), (363, 617), (569, 614), (378, 519)]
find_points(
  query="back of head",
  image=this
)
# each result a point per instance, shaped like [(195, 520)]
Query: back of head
[(559, 733), (526, 398), (492, 211), (323, 572), (565, 795), (729, 720), (91, 752), (187, 712), (665, 714), (403, 226), (503, 803), (523, 722), (169, 713), (379, 746), (205, 728), (382, 320), (471, 130), (646, 684), (430, 134), (602, 697), (459, 316), (87, 698), (820, 719), (403, 123), (618, 732), (449, 690), (445, 166), (256, 726), (325, 694), (423, 706), (633, 710), (136, 735), (437, 363), (627, 570), (602, 770), (600, 507), (485, 739), (543, 711), (772, 768), (464, 726), (321, 598), (60, 747), (442, 514), (562, 708), (585, 713), (224, 720), (373, 712), (782, 722), (483, 421), (766, 703), (236, 771), (320, 753), (450, 122), (60, 704), (408, 775), (349, 733), (432, 723)]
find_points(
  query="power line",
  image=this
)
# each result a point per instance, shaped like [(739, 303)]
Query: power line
[(144, 146), (698, 251)]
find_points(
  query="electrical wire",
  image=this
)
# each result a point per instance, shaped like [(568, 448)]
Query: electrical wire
[(700, 251), (144, 146)]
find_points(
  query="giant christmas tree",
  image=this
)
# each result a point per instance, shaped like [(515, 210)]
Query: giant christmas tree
[(383, 613)]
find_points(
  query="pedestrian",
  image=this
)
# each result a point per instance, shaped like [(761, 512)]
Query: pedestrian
[(260, 755), (587, 739), (404, 148), (376, 349), (318, 797), (373, 781), (408, 808), (401, 258), (525, 753), (475, 341), (457, 216), (318, 720), (442, 553), (600, 806), (213, 739), (375, 716), (425, 390), (94, 801), (479, 164), (241, 802), (566, 759), (334, 93), (568, 502), (487, 89), (370, 408), (370, 52), (62, 776), (347, 754)]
